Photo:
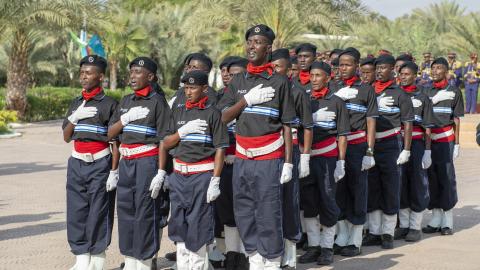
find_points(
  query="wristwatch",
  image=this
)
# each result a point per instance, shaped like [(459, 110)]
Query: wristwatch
[(370, 152)]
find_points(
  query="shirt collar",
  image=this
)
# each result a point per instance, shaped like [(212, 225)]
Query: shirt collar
[(151, 94)]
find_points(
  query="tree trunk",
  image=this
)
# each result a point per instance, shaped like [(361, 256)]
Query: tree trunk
[(113, 74), (17, 74)]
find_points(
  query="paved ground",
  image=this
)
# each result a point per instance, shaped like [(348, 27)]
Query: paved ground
[(32, 212)]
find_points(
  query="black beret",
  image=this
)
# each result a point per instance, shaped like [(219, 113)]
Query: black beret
[(200, 57), (352, 52), (144, 62), (368, 61), (227, 61), (94, 60), (404, 57), (441, 61), (294, 60), (385, 59), (321, 65), (335, 62), (238, 62), (335, 51), (281, 53), (410, 65), (308, 47), (196, 77), (261, 30)]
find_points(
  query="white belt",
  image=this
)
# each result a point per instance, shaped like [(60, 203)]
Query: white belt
[(323, 150), (260, 151), (128, 152), (89, 157), (356, 136), (442, 135), (387, 133), (414, 133), (294, 136), (185, 168)]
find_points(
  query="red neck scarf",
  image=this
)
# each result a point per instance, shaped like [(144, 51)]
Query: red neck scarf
[(304, 76), (143, 92), (441, 84), (318, 94), (409, 88), (89, 95), (260, 69), (199, 104), (351, 81), (380, 86)]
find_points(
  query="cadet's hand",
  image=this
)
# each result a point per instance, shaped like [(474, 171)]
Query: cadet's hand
[(81, 113), (403, 157), (135, 113), (286, 173), (339, 172), (384, 102), (259, 95), (229, 159), (367, 162), (346, 93), (197, 126), (427, 159), (156, 183), (323, 115), (443, 95), (171, 101), (456, 151), (112, 180), (213, 189), (304, 166), (416, 103)]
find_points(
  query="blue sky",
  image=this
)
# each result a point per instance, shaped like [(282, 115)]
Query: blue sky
[(393, 9)]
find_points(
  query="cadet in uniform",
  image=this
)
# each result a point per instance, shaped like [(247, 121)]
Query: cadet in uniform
[(399, 61), (447, 109), (281, 61), (395, 108), (294, 70), (262, 105), (92, 169), (367, 70), (305, 56), (140, 122), (471, 79), (414, 193)]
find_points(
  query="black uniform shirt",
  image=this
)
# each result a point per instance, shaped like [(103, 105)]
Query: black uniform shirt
[(181, 99), (445, 111), (401, 110), (96, 127), (424, 113), (302, 108), (305, 87)]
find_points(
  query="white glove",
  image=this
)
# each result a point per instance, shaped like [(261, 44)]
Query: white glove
[(346, 93), (157, 183), (367, 162), (456, 151), (112, 180), (304, 166), (339, 172), (384, 102), (323, 115), (81, 113), (213, 189), (171, 101), (443, 95), (427, 159), (416, 103), (259, 95), (403, 157), (197, 126), (286, 173), (133, 114), (229, 159)]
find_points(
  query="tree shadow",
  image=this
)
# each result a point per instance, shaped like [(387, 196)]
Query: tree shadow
[(26, 218), (30, 167), (32, 230)]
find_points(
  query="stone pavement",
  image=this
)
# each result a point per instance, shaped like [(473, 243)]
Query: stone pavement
[(32, 212)]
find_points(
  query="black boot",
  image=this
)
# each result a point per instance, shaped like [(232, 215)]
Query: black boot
[(430, 229), (171, 256), (372, 240), (311, 255), (400, 233), (446, 231), (337, 249), (242, 262), (326, 258), (303, 243), (350, 251), (231, 260), (413, 235), (387, 241)]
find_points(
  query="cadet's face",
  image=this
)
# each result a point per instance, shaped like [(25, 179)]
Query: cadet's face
[(235, 70), (367, 73), (195, 65), (426, 57), (295, 70), (347, 66), (90, 77), (398, 64), (280, 66), (258, 49), (195, 92), (140, 78), (383, 72), (336, 73), (305, 59), (318, 79), (439, 72), (407, 77), (225, 75)]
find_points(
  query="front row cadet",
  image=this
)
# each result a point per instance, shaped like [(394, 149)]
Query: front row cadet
[(447, 109), (327, 163), (92, 169), (140, 122), (414, 196), (199, 138)]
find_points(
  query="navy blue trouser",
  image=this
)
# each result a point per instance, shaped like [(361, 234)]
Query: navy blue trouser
[(471, 93), (139, 216), (441, 177), (352, 190), (385, 177), (224, 203), (414, 193), (257, 203), (90, 207), (292, 227)]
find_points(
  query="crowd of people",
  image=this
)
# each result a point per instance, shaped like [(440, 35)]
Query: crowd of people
[(322, 152)]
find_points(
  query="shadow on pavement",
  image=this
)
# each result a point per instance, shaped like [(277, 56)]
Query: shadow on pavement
[(31, 167), (32, 230), (26, 218)]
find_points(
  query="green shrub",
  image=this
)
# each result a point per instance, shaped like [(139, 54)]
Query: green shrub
[(5, 118)]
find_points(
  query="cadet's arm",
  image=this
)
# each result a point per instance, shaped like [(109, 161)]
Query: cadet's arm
[(342, 147), (407, 136), (456, 128), (219, 159), (114, 130), (371, 131), (287, 137), (428, 139), (68, 132), (115, 155), (232, 112), (307, 140)]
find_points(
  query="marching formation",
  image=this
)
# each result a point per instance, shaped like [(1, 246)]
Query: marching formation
[(292, 153)]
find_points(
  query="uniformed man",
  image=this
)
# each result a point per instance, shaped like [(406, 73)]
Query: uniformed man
[(447, 109), (400, 60), (414, 193), (235, 64), (367, 70), (395, 108), (424, 77), (335, 76), (92, 170), (454, 70), (352, 189), (140, 122), (305, 56), (333, 55), (262, 105), (281, 61), (327, 164), (294, 70), (471, 75)]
